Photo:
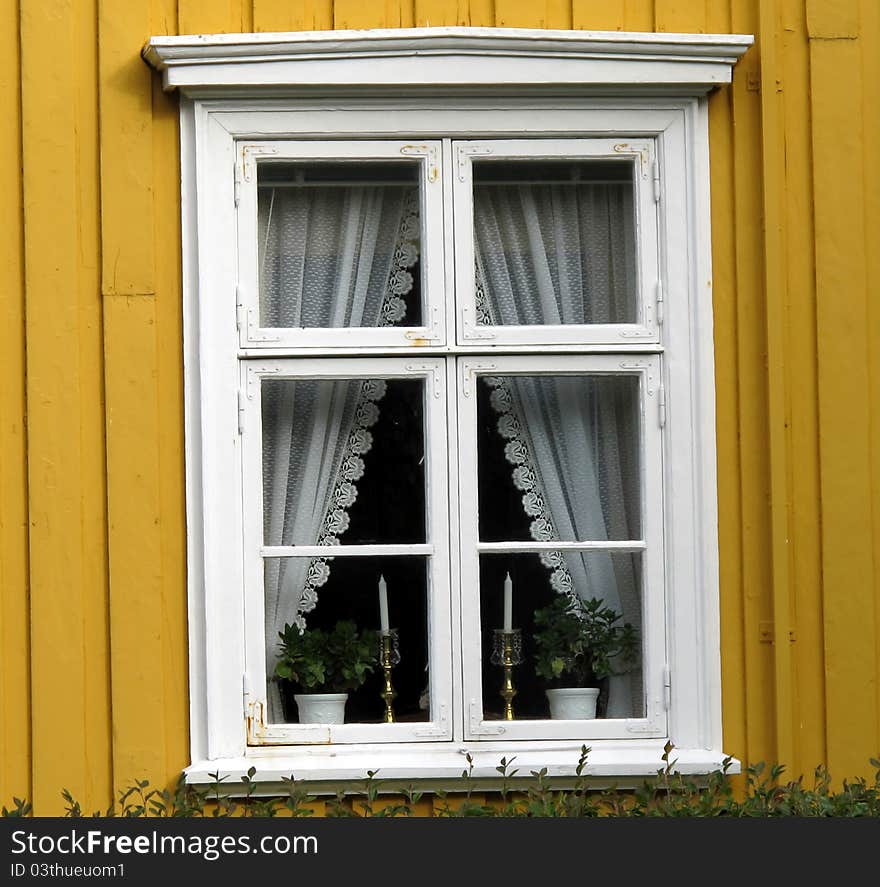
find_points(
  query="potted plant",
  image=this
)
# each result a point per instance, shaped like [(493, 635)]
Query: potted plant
[(323, 666), (578, 643)]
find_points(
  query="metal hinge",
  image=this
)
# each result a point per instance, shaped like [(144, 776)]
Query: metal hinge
[(478, 726), (465, 151), (658, 293), (439, 729), (667, 686), (236, 182), (240, 319), (661, 404), (240, 411), (254, 711), (655, 174)]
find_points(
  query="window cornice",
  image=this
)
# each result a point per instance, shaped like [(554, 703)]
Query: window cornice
[(448, 58)]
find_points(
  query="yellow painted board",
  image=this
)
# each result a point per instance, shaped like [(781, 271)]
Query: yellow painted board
[(128, 262), (14, 652), (752, 406), (845, 418), (212, 16), (93, 579), (727, 420), (169, 381), (718, 16), (131, 395), (684, 16), (833, 19), (433, 13), (638, 15), (293, 15), (65, 458), (870, 39), (803, 463), (519, 14), (778, 375), (354, 14), (598, 15), (135, 557)]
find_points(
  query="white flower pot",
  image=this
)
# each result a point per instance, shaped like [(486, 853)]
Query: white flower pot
[(573, 703), (321, 708)]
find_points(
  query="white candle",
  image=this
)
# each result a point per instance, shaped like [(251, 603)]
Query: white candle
[(508, 603), (383, 605)]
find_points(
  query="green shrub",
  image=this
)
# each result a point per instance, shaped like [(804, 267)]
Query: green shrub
[(667, 794)]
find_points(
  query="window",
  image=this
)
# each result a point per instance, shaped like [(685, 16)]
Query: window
[(456, 347)]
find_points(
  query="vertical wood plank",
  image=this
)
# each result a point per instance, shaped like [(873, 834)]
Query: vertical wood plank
[(352, 14), (554, 14), (14, 648), (170, 443), (598, 15), (69, 664), (833, 19), (131, 393), (870, 38), (520, 14), (93, 509), (683, 16), (638, 15), (803, 462), (212, 16), (293, 15), (434, 13), (778, 373), (725, 312), (126, 158), (752, 406), (844, 387)]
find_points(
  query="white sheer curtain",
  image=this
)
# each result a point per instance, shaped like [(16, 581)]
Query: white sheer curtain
[(329, 257), (547, 255), (556, 254)]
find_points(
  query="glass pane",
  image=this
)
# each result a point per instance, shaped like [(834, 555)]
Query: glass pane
[(329, 609), (558, 458), (339, 244), (343, 461), (542, 587), (555, 242)]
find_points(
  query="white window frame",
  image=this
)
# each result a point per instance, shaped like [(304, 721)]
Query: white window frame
[(435, 550), (642, 154), (646, 368), (426, 154), (468, 84)]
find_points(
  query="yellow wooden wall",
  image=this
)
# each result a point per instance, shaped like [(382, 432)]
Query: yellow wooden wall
[(92, 615)]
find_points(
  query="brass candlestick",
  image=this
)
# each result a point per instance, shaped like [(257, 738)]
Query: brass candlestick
[(507, 652), (389, 656)]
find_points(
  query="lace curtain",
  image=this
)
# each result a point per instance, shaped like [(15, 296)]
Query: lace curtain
[(329, 257), (549, 254)]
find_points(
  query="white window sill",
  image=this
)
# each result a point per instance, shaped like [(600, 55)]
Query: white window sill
[(440, 766)]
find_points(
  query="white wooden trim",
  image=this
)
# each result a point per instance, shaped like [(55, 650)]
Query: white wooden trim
[(195, 503), (620, 762), (525, 547), (654, 621), (435, 553), (545, 85), (446, 57), (425, 156), (331, 551), (641, 154)]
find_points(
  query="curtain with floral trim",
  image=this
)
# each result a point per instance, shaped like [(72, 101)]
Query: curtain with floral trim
[(549, 254), (328, 258)]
